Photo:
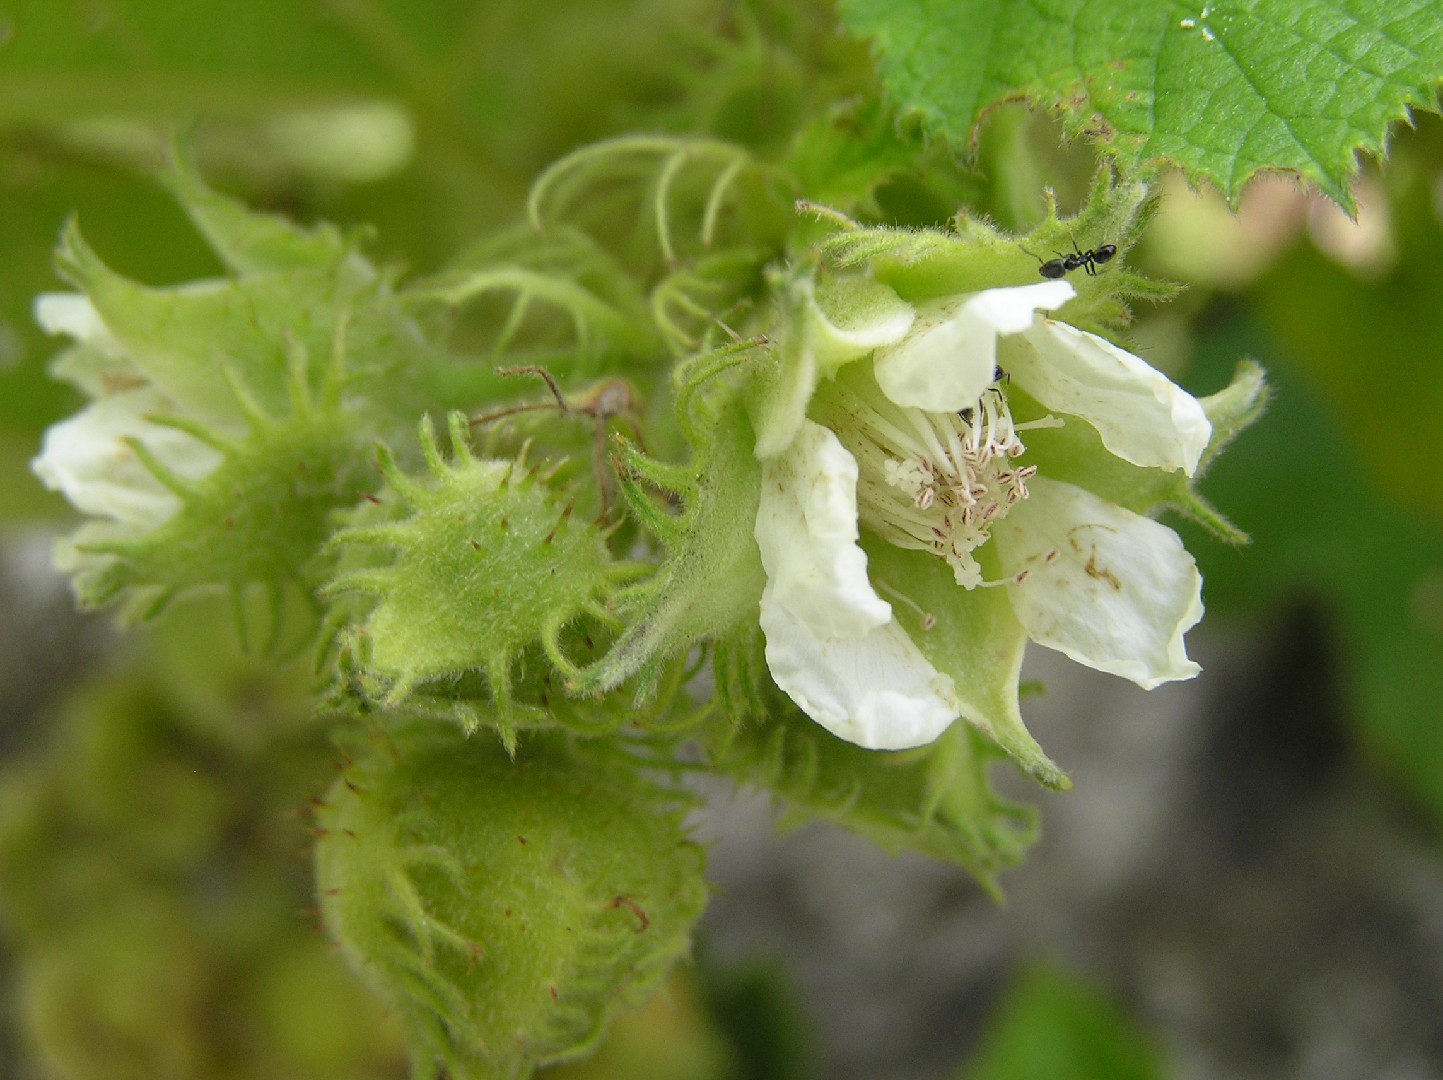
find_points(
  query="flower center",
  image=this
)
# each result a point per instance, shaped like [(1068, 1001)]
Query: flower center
[(932, 481)]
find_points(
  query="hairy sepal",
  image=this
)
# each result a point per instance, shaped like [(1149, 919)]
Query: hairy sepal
[(246, 240), (935, 800), (180, 338), (973, 255), (277, 370), (259, 518), (710, 578)]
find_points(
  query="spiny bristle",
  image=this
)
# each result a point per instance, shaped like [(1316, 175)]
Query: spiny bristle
[(561, 521)]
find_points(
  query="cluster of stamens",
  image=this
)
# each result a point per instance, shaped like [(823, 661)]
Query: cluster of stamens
[(934, 481)]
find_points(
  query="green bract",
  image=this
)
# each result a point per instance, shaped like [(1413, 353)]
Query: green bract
[(506, 908)]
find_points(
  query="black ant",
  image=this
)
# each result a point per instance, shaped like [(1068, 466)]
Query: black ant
[(1088, 260)]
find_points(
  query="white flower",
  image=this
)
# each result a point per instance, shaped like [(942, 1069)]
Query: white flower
[(91, 457), (921, 447)]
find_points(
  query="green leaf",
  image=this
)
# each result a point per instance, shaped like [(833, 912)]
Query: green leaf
[(1221, 90), (1055, 1025)]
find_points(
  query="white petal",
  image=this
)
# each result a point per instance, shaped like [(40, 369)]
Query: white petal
[(72, 314), (1119, 593), (877, 691), (807, 532), (950, 356), (98, 364), (1142, 416), (87, 460)]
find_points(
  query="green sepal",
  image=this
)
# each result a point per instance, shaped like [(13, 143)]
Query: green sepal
[(246, 240), (974, 637), (505, 909), (1114, 212), (711, 578), (828, 323), (973, 255), (472, 565), (650, 488), (1234, 408), (935, 800), (180, 338)]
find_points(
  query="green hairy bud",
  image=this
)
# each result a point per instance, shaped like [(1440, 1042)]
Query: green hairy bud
[(506, 908), (487, 560)]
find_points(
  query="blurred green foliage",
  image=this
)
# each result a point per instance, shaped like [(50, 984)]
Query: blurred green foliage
[(1053, 1024), (755, 1004), (1341, 486), (155, 879)]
